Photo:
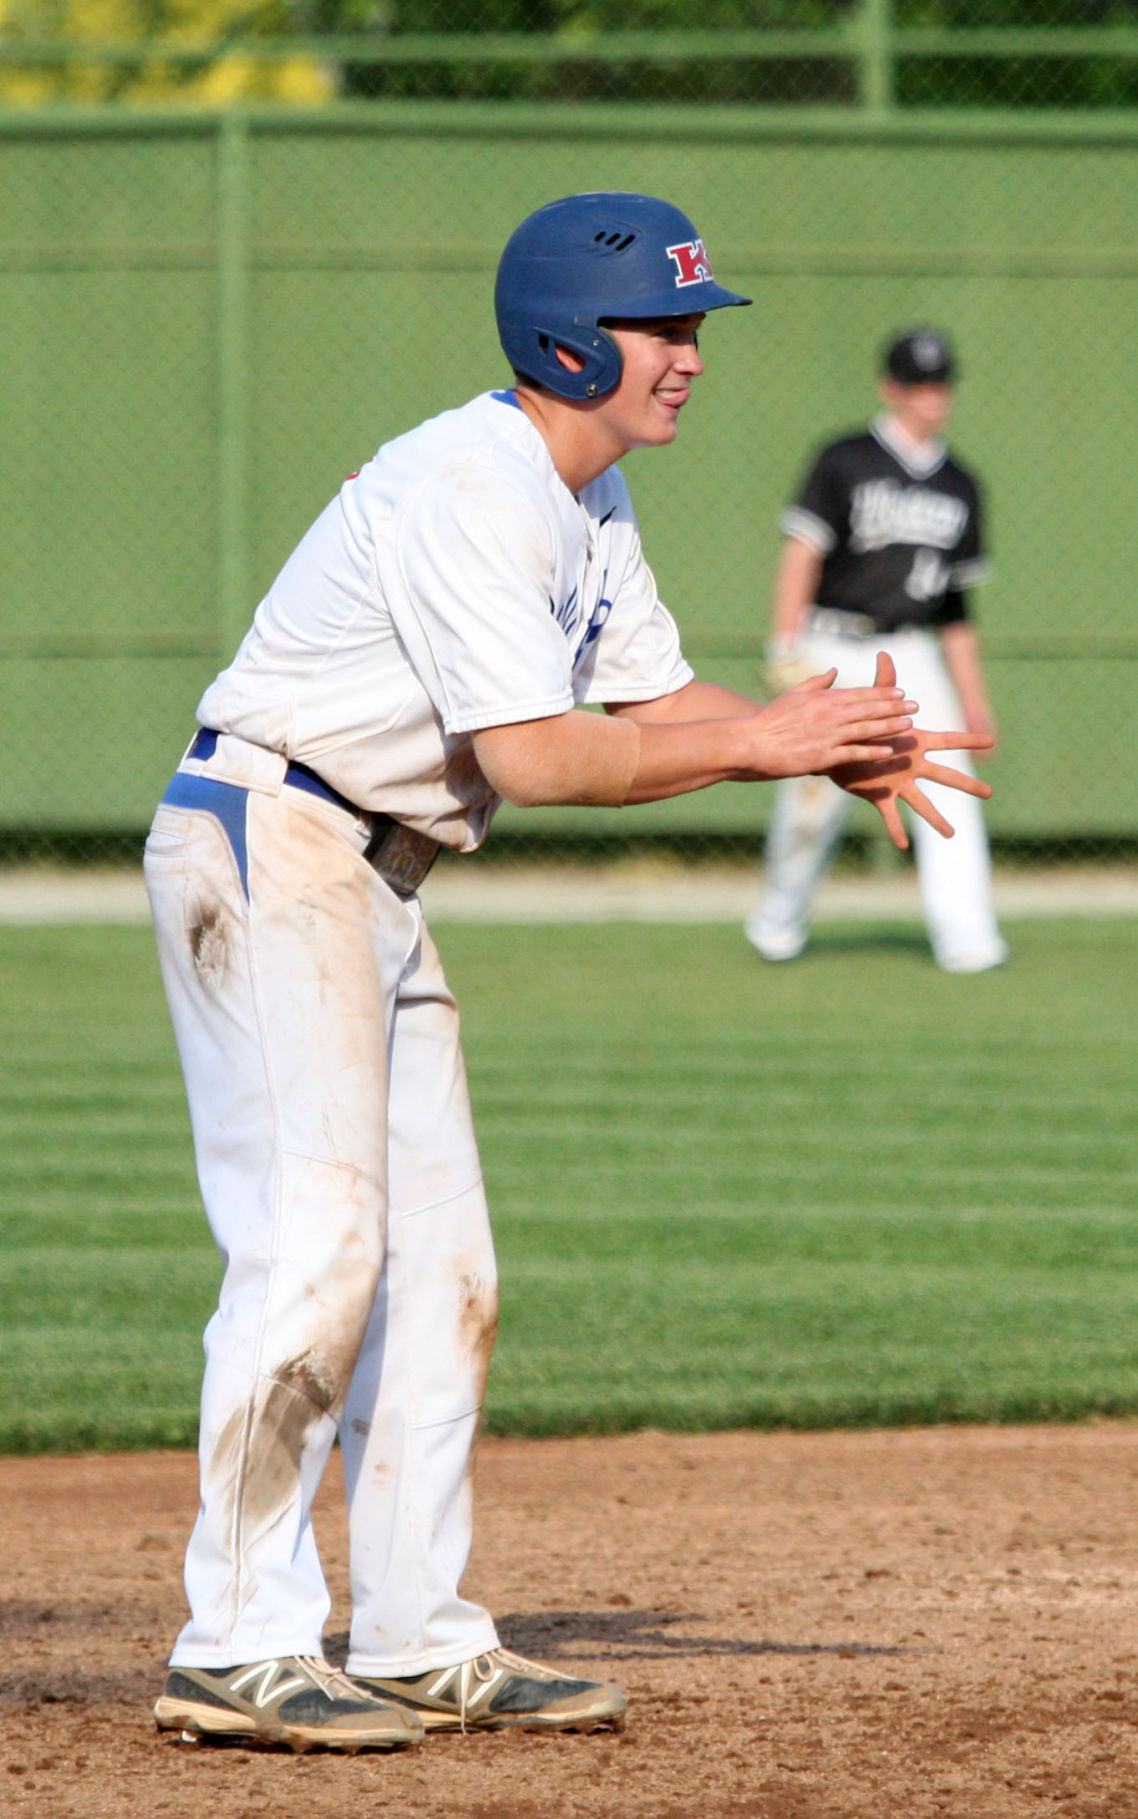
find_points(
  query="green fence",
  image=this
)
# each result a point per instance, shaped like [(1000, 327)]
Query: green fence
[(208, 320)]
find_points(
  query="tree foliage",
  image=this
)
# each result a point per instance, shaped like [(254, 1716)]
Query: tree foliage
[(221, 77), (231, 70)]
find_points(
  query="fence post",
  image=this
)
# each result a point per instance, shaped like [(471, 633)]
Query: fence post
[(234, 606), (875, 62)]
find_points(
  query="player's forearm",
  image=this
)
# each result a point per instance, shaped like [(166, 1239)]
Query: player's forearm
[(796, 582), (580, 759), (605, 760), (677, 759), (587, 760)]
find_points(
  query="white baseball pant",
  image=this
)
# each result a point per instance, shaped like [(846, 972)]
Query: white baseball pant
[(810, 815), (340, 1175)]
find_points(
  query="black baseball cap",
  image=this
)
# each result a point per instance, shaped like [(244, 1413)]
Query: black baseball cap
[(920, 357)]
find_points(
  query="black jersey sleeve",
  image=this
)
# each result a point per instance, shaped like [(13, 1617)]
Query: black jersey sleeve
[(953, 609), (819, 514)]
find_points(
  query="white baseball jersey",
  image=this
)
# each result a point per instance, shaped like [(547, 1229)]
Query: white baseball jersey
[(454, 583)]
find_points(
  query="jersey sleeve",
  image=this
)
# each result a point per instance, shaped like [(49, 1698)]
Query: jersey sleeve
[(953, 609), (635, 654), (473, 601), (820, 511)]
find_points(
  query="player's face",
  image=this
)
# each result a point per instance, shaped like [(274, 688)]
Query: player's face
[(921, 409), (661, 359)]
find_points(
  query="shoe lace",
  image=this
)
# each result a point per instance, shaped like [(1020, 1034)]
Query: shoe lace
[(475, 1673), (331, 1681)]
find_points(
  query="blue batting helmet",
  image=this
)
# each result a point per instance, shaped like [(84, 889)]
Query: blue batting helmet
[(600, 257)]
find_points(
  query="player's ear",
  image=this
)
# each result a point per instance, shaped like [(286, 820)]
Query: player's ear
[(572, 362)]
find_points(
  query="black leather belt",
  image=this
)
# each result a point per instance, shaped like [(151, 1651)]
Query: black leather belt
[(400, 855)]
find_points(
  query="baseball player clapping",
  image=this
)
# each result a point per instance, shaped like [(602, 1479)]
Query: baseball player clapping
[(424, 652)]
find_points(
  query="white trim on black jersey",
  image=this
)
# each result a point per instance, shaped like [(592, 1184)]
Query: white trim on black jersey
[(919, 459), (807, 527), (971, 574)]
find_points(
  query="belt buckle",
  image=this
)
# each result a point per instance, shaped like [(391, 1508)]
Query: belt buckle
[(842, 622), (400, 855)]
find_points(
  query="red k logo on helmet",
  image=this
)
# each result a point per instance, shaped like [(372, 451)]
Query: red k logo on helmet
[(692, 263)]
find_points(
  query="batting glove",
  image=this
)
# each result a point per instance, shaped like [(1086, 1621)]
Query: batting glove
[(785, 665)]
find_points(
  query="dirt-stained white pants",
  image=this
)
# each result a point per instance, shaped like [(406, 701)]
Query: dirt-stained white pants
[(810, 815), (340, 1175)]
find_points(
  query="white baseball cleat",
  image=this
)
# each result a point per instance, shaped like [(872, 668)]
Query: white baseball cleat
[(776, 943), (977, 960)]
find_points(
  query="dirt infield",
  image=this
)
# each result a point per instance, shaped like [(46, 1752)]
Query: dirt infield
[(810, 1626), (629, 890)]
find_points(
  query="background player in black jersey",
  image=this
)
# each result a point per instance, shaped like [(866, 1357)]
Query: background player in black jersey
[(882, 540)]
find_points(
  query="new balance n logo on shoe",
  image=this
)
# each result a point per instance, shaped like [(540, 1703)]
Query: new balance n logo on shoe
[(274, 1684), (301, 1701)]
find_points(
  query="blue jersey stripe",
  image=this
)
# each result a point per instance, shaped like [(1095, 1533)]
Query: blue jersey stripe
[(224, 801)]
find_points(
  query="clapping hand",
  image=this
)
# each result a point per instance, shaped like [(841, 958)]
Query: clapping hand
[(904, 761)]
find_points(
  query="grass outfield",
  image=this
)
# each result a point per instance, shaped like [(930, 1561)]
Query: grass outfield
[(849, 1191)]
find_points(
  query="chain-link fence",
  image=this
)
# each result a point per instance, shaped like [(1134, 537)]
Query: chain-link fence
[(212, 315)]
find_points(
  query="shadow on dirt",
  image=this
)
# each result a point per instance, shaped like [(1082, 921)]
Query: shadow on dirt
[(628, 1635), (631, 1636)]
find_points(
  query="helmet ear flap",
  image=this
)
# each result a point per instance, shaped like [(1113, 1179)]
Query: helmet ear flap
[(614, 363), (595, 347)]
